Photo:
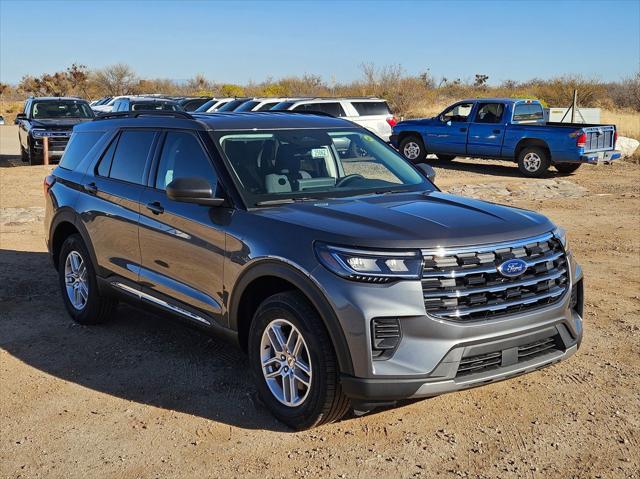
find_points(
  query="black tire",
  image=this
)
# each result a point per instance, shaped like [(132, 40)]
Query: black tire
[(98, 308), (445, 157), (413, 149), (567, 168), (23, 155), (34, 158), (325, 402), (533, 161)]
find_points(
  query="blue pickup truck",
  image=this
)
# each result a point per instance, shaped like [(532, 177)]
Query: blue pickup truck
[(508, 129)]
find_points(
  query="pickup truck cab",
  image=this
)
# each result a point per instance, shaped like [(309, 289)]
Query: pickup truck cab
[(505, 128)]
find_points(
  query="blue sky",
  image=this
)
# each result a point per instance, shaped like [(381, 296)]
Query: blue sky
[(243, 41)]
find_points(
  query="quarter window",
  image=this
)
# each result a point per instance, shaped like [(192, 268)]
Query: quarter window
[(369, 108), (182, 156), (78, 147), (130, 156)]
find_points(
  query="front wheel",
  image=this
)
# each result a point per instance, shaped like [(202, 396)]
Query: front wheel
[(567, 168), (533, 161), (294, 363), (412, 148)]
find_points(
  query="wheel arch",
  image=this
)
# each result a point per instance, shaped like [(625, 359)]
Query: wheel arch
[(64, 224), (272, 276), (404, 134), (528, 142)]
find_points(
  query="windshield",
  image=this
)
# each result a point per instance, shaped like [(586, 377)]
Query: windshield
[(247, 105), (61, 109), (232, 105), (282, 165), (205, 106), (283, 105), (156, 105)]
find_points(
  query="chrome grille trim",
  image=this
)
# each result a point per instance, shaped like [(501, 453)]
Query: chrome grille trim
[(464, 284)]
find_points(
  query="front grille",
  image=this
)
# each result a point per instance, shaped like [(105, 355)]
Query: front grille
[(488, 361), (55, 143), (465, 285)]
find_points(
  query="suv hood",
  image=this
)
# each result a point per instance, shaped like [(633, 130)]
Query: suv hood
[(59, 123), (416, 220)]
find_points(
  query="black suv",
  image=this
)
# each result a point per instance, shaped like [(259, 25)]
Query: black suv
[(51, 117), (347, 276)]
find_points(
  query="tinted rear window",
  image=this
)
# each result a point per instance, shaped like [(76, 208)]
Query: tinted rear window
[(528, 112), (232, 105), (283, 105), (207, 105), (268, 106), (78, 147), (131, 155), (365, 108)]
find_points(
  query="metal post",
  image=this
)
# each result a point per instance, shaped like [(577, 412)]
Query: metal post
[(574, 105), (45, 150)]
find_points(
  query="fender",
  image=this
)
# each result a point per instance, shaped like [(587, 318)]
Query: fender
[(67, 215), (304, 282)]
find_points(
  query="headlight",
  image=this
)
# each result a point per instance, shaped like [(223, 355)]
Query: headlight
[(370, 266), (39, 133), (561, 234)]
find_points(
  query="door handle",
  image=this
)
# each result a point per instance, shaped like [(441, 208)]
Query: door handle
[(155, 207), (496, 131), (463, 129), (90, 188)]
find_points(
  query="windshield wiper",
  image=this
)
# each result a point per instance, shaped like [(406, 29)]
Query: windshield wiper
[(285, 201)]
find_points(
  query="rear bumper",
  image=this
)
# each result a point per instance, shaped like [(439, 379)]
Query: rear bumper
[(600, 157)]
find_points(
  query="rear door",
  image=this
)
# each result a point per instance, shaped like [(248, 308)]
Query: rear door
[(486, 131), (448, 135), (182, 244), (110, 207)]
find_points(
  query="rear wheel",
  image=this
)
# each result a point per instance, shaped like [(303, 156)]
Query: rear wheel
[(533, 161), (79, 286), (412, 148), (567, 168), (294, 363), (445, 157)]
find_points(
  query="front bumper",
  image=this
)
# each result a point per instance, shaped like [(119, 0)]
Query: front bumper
[(431, 353), (600, 157)]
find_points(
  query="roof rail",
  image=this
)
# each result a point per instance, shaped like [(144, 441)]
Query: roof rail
[(136, 114), (301, 112)]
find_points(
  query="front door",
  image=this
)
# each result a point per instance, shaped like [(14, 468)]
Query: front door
[(448, 135), (486, 131), (182, 244)]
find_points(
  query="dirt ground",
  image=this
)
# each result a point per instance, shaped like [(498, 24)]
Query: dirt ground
[(146, 397)]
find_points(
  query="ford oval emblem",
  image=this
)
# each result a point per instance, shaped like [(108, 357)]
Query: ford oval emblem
[(512, 268)]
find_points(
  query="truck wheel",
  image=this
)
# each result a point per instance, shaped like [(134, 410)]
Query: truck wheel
[(567, 168), (294, 363), (445, 157), (412, 148), (533, 161), (79, 286)]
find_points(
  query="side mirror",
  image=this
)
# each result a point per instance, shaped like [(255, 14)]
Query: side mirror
[(20, 116), (427, 171), (194, 189)]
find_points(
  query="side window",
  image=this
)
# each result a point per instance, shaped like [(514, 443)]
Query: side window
[(130, 156), (459, 112), (182, 156), (489, 113), (370, 108), (333, 109), (78, 147)]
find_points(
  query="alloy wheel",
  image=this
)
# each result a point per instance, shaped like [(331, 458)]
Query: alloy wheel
[(411, 150), (532, 162), (75, 278), (286, 363)]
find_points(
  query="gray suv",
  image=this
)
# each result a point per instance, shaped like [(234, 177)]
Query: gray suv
[(349, 279)]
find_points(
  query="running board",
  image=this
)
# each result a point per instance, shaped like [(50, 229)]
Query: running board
[(160, 302)]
